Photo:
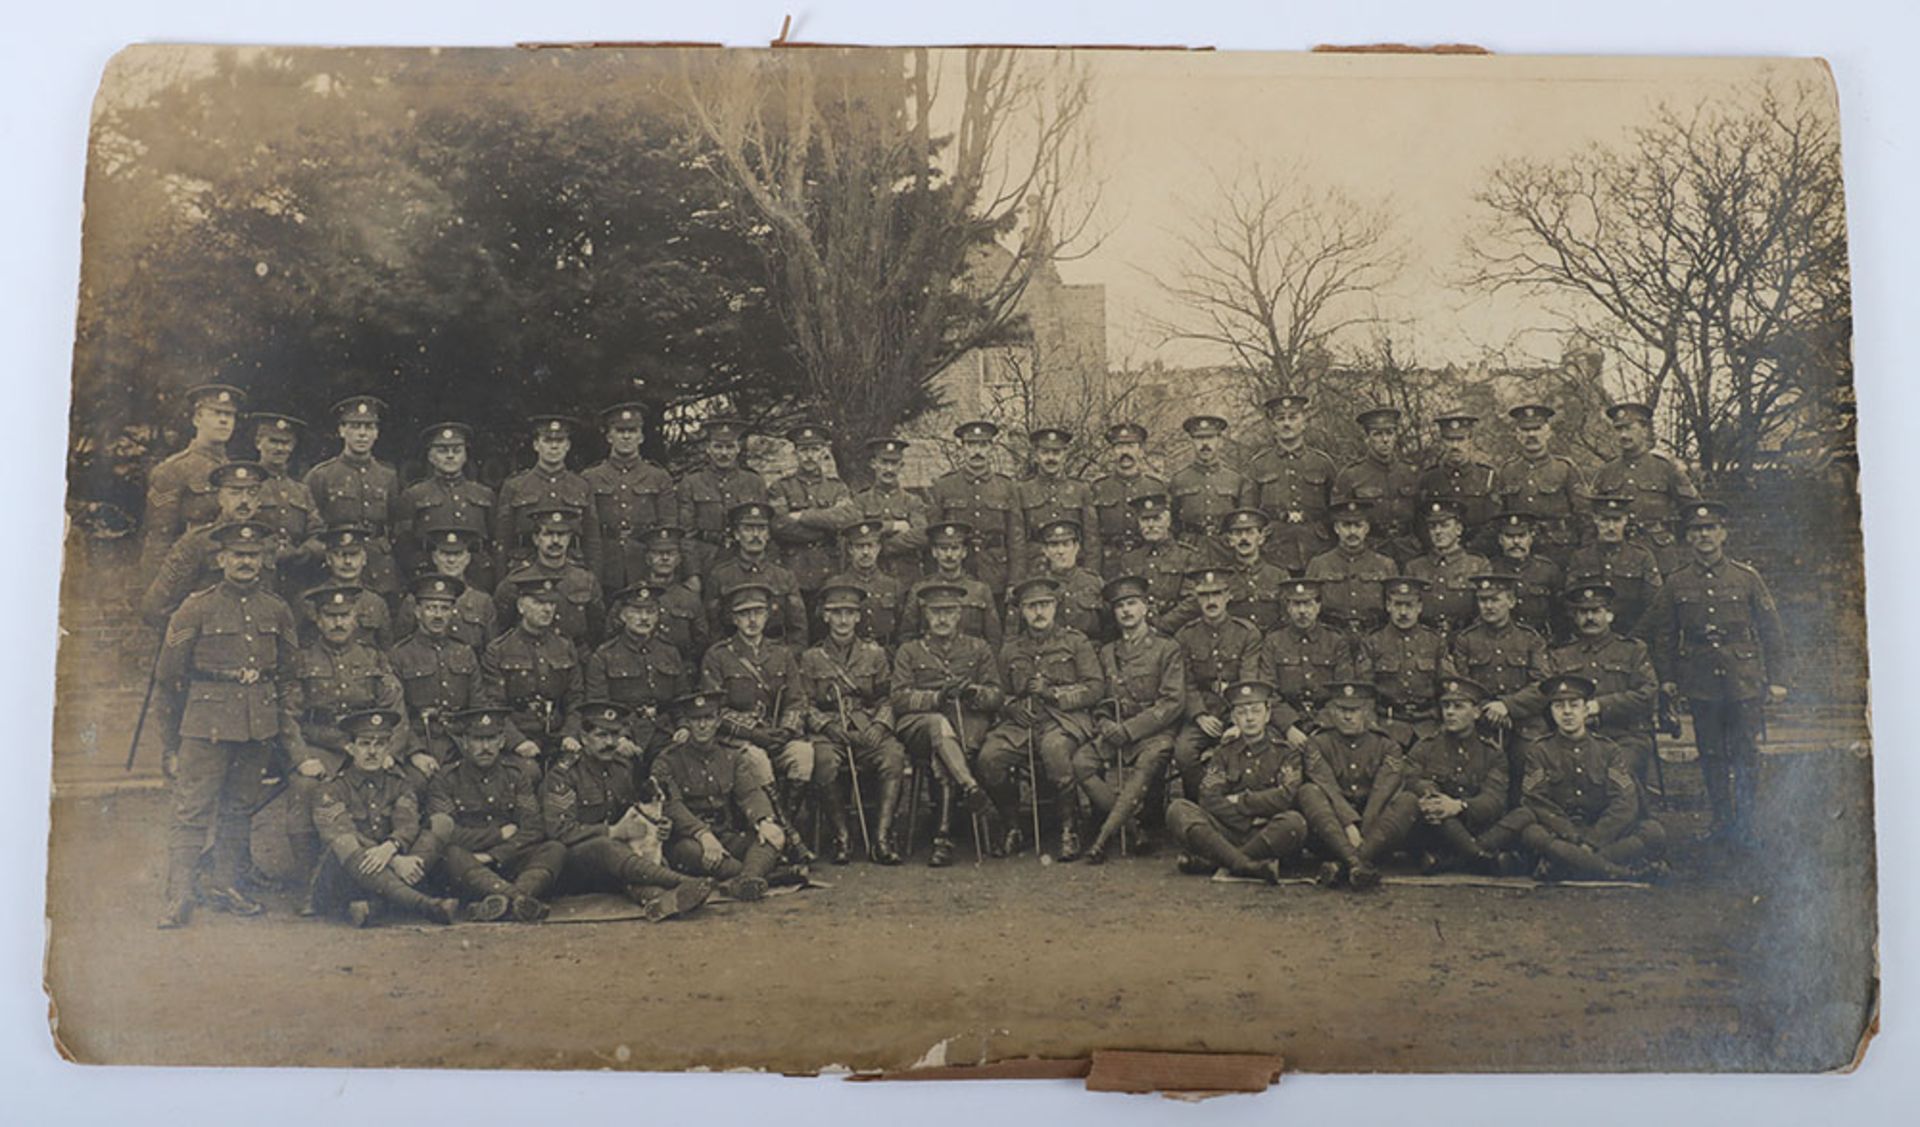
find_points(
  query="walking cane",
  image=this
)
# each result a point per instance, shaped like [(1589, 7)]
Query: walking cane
[(1120, 762), (853, 771), (960, 737), (1033, 780), (146, 701)]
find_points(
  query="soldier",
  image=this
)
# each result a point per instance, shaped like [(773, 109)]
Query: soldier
[(1221, 650), (224, 666), (751, 524), (355, 488), (710, 493), (880, 610), (1206, 491), (1353, 800), (192, 563), (1053, 679), (1625, 686), (946, 688), (541, 488), (848, 685), (1587, 818), (1293, 482), (1081, 606), (1447, 568), (639, 670), (1352, 576), (439, 670), (1243, 818), (1543, 483), (345, 551), (588, 804), (1115, 494), (1302, 658), (534, 673), (450, 555), (179, 493), (445, 498), (486, 815), (722, 822), (1537, 579), (1146, 676), (1629, 567), (904, 516), (947, 547), (809, 511), (1660, 490), (337, 673), (1405, 661), (1161, 560), (583, 614), (981, 498), (1460, 476), (369, 817), (1048, 495), (1459, 781), (763, 701), (631, 495), (683, 617), (1717, 640), (1390, 484), (285, 501), (1255, 583), (1504, 656)]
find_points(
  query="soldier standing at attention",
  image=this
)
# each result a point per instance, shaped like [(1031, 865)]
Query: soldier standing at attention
[(1115, 493), (711, 492), (631, 495), (1390, 484), (1206, 490), (947, 546), (848, 685), (1081, 606), (1053, 681), (1543, 483), (1293, 482), (1462, 477), (450, 555), (192, 563), (903, 516), (1351, 574), (1243, 818), (1629, 567), (809, 511), (683, 617), (226, 662), (1625, 686), (1405, 660), (1048, 495), (750, 563), (880, 610), (1220, 650), (1717, 640), (285, 502), (486, 815), (355, 488), (534, 673), (1537, 579), (1587, 817), (582, 612), (1459, 780), (179, 494), (1447, 568), (722, 822), (983, 499), (639, 670), (445, 498), (345, 553), (1159, 559), (1659, 489), (1353, 799), (438, 670), (369, 817), (543, 487), (941, 679), (1146, 675)]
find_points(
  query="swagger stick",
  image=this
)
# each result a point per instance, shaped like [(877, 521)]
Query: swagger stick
[(853, 770), (973, 816)]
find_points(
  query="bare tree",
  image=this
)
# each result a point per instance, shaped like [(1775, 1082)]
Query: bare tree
[(1276, 271), (1045, 384), (901, 228), (1707, 255)]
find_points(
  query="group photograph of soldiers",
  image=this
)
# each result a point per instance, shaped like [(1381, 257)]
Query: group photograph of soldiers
[(689, 546)]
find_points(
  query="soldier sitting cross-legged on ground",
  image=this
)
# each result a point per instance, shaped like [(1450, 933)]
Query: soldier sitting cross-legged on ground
[(369, 817), (1459, 779), (1243, 819), (486, 815), (721, 822), (1353, 799), (1587, 815)]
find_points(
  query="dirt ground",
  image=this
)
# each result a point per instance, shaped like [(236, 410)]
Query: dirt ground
[(1764, 964)]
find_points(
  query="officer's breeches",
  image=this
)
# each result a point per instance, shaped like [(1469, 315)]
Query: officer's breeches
[(1005, 751), (793, 761), (1098, 771), (930, 736)]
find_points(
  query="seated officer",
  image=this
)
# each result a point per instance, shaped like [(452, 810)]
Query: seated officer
[(369, 817), (722, 823), (1587, 815), (1459, 779), (639, 671), (1053, 680), (1146, 679), (450, 553), (848, 682), (486, 815), (533, 671), (946, 688), (763, 705), (346, 560), (1244, 819), (587, 801), (1351, 574), (1301, 658), (439, 673), (1080, 604), (581, 613), (1353, 799), (1220, 650), (1405, 659), (947, 546), (880, 613)]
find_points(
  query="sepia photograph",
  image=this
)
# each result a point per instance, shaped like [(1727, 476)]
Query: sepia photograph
[(879, 560)]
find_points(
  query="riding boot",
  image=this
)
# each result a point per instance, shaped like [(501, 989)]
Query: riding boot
[(839, 845), (1070, 819), (942, 854), (883, 850)]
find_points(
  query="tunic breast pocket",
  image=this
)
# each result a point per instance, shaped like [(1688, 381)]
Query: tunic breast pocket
[(517, 675), (462, 663), (222, 645)]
